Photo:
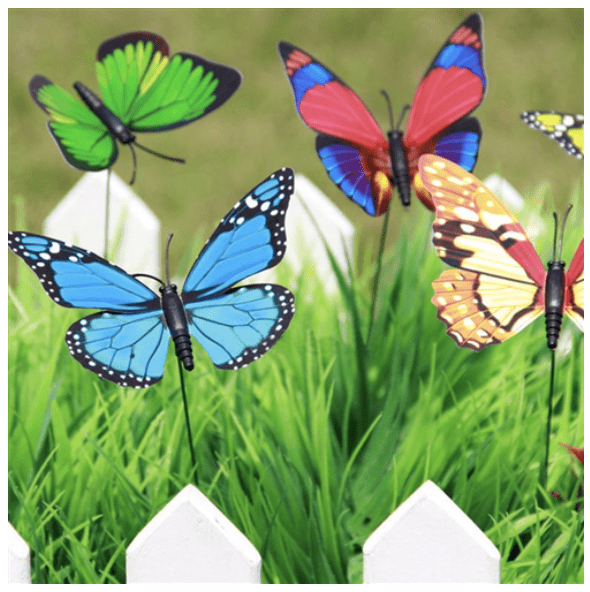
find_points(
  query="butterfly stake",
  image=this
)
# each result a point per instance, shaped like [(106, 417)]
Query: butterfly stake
[(565, 128), (143, 89), (499, 285), (128, 341), (357, 156)]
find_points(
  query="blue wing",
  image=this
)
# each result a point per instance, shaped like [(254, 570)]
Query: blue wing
[(249, 239), (76, 278), (241, 325), (460, 143), (345, 167), (127, 349)]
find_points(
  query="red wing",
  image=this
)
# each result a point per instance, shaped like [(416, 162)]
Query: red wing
[(574, 288), (327, 104), (453, 86)]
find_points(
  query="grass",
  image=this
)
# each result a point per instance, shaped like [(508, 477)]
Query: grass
[(309, 449)]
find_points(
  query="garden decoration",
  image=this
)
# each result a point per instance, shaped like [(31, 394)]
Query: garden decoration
[(566, 129), (142, 89), (360, 160), (127, 343), (500, 284)]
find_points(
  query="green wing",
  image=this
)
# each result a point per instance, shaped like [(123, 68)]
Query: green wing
[(83, 139), (150, 91)]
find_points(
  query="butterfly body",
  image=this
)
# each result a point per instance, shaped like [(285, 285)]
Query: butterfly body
[(499, 284), (127, 341), (177, 323), (142, 88), (113, 124), (360, 160), (399, 166)]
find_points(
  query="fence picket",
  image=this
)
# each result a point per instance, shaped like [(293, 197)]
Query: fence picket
[(429, 539), (190, 540), (312, 219), (19, 558), (134, 230)]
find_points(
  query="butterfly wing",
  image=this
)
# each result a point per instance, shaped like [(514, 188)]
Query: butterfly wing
[(77, 278), (239, 326), (574, 288), (82, 138), (497, 287), (452, 87), (351, 146), (150, 91), (127, 349), (235, 326), (126, 345), (565, 128)]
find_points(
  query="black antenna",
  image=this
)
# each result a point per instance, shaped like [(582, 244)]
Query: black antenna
[(134, 165), (557, 255), (401, 117), (158, 154), (147, 275), (168, 258), (384, 93)]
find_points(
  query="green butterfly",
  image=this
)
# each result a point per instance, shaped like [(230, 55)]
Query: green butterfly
[(143, 90)]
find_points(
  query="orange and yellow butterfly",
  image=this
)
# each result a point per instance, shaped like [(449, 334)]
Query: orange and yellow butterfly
[(565, 128), (499, 285)]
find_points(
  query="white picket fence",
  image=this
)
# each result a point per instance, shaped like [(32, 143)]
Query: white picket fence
[(428, 539)]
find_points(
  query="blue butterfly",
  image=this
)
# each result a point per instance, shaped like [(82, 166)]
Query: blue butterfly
[(127, 343)]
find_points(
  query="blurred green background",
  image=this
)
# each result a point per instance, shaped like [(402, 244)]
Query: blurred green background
[(533, 59)]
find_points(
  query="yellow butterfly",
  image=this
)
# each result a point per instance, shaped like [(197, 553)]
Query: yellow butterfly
[(565, 128)]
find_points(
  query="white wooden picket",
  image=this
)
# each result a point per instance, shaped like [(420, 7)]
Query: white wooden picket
[(427, 539), (134, 230), (19, 558), (190, 540), (314, 224)]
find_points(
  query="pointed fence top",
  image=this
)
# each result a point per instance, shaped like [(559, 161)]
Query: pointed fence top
[(190, 540), (19, 562), (314, 222), (430, 539), (134, 230)]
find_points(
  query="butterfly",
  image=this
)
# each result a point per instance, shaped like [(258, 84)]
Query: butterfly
[(364, 164), (500, 284), (127, 342), (565, 128), (143, 90)]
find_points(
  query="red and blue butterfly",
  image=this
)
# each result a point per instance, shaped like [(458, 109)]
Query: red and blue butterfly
[(365, 164)]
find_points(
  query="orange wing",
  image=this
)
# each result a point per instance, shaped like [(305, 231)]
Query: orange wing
[(498, 286)]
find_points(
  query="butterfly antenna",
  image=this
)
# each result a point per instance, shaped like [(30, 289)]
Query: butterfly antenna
[(557, 255), (168, 258), (134, 165), (401, 117), (160, 155), (147, 275), (384, 93)]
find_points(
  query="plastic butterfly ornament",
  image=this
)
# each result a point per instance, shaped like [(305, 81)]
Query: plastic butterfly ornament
[(127, 342), (499, 285), (565, 128), (360, 160), (143, 90)]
